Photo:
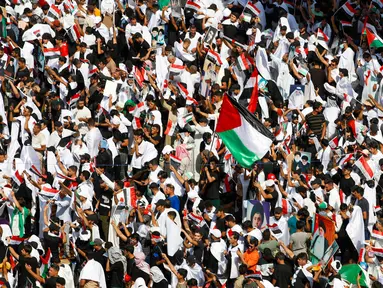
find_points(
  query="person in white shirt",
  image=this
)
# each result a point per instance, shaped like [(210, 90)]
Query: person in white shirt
[(158, 195), (38, 141), (142, 151), (81, 116)]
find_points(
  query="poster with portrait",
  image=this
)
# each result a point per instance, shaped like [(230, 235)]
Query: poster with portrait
[(258, 212), (158, 36), (323, 237), (302, 161), (330, 252), (176, 8), (210, 35)]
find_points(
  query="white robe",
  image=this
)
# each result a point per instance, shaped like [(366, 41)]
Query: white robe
[(355, 228), (93, 138), (93, 271)]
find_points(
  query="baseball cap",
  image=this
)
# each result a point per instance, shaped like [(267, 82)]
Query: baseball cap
[(269, 183), (97, 242), (167, 149), (271, 176)]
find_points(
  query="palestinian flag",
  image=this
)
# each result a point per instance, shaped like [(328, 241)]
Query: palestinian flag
[(182, 121), (51, 53), (242, 133), (170, 128), (350, 273), (250, 8), (364, 167), (45, 263), (373, 39), (378, 4), (54, 12), (214, 57), (192, 5)]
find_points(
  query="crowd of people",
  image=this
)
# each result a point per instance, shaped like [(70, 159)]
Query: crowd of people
[(198, 143)]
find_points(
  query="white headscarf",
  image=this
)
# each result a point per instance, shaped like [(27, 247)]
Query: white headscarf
[(157, 275), (157, 119)]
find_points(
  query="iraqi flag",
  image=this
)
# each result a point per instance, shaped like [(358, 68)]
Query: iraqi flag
[(16, 240), (322, 36), (364, 167), (250, 8), (345, 159), (176, 69), (346, 12), (48, 191), (243, 63), (130, 197), (346, 24), (175, 161), (243, 134), (74, 33), (250, 92), (54, 12), (373, 40), (18, 178), (214, 57), (51, 53), (184, 92), (37, 172), (73, 100), (170, 128), (136, 123), (357, 130), (192, 5), (334, 142)]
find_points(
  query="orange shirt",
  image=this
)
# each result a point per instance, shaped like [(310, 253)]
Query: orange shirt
[(251, 258)]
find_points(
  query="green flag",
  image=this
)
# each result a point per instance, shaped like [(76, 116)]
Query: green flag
[(350, 273)]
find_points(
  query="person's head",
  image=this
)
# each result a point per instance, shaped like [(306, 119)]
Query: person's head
[(328, 184), (169, 190), (27, 249), (280, 257), (80, 103), (192, 283), (60, 282), (317, 107), (84, 176), (219, 212), (357, 192), (321, 228), (181, 274), (160, 205), (278, 213), (253, 244), (301, 259), (234, 239), (36, 128), (229, 221), (54, 270), (300, 225), (138, 136)]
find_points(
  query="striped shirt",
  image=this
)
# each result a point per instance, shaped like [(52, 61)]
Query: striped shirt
[(315, 123)]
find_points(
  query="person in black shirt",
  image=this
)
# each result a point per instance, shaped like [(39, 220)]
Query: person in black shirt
[(196, 242), (220, 221), (51, 234), (282, 272), (212, 182), (51, 278), (99, 252), (116, 266), (104, 205), (25, 259), (132, 269)]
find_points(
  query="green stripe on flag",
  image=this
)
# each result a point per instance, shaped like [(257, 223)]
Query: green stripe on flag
[(240, 152), (350, 273)]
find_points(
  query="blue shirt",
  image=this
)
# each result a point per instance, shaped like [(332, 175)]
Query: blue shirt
[(175, 202)]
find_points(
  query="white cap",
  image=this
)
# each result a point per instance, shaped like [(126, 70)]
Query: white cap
[(269, 183), (167, 149), (216, 233), (192, 194)]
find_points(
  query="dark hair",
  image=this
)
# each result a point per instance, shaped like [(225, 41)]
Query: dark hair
[(129, 248), (302, 256), (300, 225), (27, 248), (280, 256), (229, 218), (266, 234), (86, 174), (183, 272), (192, 282)]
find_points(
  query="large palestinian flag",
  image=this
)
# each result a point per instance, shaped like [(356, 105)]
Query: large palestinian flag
[(242, 133)]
